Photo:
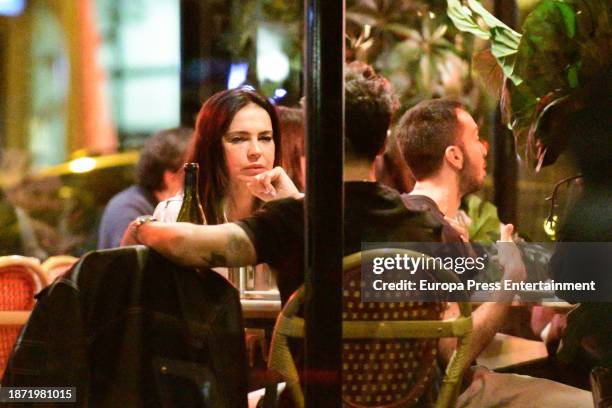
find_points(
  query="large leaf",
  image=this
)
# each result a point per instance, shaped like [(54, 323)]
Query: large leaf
[(569, 18), (544, 132), (488, 72), (546, 51), (564, 44), (462, 19), (489, 19), (485, 223), (504, 40)]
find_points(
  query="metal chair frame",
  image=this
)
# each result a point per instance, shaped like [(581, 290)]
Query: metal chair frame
[(289, 325), (57, 261)]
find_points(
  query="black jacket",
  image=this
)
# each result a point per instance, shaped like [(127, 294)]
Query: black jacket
[(130, 329)]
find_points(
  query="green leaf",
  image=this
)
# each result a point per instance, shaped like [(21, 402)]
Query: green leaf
[(485, 222), (488, 18), (488, 72), (507, 66), (403, 31), (504, 40), (572, 76), (545, 50), (439, 32), (569, 18), (403, 54), (463, 20), (361, 18)]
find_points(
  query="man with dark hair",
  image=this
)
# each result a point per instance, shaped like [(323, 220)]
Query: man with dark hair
[(18, 236), (441, 145), (368, 101), (159, 175)]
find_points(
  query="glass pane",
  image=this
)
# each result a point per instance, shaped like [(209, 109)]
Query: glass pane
[(150, 103)]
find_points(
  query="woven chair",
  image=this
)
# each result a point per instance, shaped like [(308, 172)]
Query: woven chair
[(389, 350), (20, 279), (56, 266)]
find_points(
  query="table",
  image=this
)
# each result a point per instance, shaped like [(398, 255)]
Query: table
[(260, 308), (559, 306), (506, 350)]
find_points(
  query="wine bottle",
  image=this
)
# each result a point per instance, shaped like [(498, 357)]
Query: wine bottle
[(191, 210)]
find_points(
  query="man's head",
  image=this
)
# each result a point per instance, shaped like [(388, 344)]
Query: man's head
[(369, 105), (439, 135), (161, 161)]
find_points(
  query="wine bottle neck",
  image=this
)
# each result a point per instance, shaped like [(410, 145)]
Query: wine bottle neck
[(191, 183)]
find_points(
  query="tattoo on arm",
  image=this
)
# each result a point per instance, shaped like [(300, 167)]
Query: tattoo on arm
[(215, 259), (237, 246)]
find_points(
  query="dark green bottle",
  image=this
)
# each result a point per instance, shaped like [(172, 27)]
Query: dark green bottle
[(191, 210)]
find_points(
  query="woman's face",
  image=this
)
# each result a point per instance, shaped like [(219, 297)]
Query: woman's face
[(248, 143)]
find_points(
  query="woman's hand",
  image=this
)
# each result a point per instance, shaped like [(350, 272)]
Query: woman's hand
[(273, 185)]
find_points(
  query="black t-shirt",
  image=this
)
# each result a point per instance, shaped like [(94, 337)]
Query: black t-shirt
[(424, 203), (454, 245), (372, 213)]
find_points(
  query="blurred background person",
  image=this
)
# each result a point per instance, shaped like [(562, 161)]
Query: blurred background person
[(17, 236), (292, 128), (159, 175), (391, 170)]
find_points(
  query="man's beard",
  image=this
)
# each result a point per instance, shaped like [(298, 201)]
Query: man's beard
[(468, 178)]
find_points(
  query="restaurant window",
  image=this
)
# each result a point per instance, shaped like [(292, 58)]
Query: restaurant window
[(50, 71), (140, 53), (241, 42)]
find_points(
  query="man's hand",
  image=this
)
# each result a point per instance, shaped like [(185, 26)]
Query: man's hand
[(509, 257), (130, 237), (273, 185), (194, 245)]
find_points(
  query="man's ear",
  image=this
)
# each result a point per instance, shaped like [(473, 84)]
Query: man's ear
[(454, 157)]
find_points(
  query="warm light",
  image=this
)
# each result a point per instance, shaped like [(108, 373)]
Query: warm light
[(549, 226), (82, 165), (273, 65), (65, 192), (237, 75), (11, 7), (280, 93), (272, 62)]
